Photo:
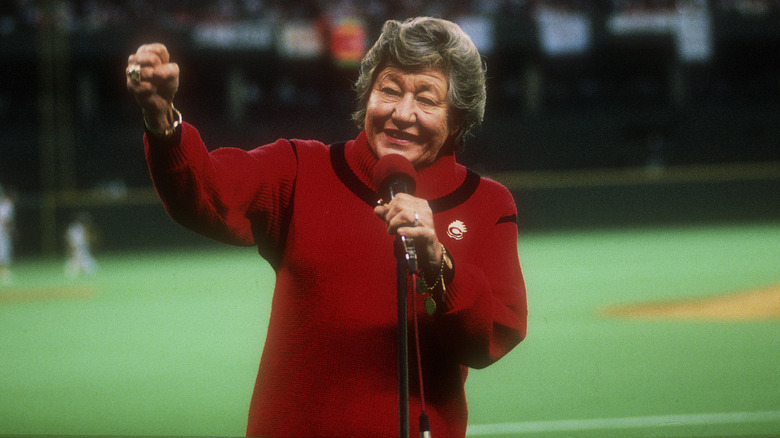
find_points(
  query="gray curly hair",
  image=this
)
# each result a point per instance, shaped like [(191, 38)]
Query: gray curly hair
[(425, 42)]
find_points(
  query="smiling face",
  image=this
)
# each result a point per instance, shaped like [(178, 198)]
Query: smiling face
[(408, 114)]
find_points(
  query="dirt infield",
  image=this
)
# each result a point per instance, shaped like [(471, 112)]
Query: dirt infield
[(756, 304), (18, 295)]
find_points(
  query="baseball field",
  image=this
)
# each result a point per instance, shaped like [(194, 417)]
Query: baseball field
[(646, 332)]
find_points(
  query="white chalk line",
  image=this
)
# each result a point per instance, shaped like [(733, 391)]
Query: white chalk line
[(622, 423)]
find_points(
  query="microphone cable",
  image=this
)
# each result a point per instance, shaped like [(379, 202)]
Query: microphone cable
[(425, 428)]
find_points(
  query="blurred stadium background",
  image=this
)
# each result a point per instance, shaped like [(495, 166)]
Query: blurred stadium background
[(602, 115), (673, 103)]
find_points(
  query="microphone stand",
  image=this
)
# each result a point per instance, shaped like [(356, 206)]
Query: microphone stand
[(406, 263), (403, 341)]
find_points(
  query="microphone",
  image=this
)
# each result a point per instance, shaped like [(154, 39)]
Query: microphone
[(394, 174)]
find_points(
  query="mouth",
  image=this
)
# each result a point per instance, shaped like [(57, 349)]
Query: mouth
[(400, 136)]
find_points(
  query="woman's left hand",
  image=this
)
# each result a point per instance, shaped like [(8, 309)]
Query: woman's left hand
[(412, 217)]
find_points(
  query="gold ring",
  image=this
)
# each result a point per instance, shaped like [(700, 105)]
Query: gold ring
[(416, 219), (134, 73)]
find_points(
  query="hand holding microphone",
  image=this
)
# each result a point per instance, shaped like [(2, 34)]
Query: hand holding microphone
[(407, 216)]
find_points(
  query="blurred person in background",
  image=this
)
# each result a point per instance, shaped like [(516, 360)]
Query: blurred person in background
[(329, 365), (7, 231), (79, 237)]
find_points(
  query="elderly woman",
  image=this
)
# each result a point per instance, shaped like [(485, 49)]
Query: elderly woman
[(329, 365)]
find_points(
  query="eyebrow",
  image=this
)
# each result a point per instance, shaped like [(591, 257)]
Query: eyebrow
[(396, 78)]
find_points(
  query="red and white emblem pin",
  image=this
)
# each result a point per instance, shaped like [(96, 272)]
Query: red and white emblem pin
[(456, 230)]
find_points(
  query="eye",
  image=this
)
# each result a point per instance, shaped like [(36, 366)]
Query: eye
[(390, 91), (426, 101)]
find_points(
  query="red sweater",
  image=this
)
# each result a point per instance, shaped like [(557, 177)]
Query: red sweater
[(329, 365)]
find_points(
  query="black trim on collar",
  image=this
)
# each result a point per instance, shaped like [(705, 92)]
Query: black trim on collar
[(459, 195), (338, 160), (512, 219)]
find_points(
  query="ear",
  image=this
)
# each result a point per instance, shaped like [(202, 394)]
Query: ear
[(450, 144), (453, 122), (453, 134)]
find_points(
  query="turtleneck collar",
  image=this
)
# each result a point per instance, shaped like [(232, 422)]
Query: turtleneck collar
[(435, 180)]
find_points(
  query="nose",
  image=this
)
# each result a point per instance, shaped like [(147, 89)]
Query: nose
[(405, 110)]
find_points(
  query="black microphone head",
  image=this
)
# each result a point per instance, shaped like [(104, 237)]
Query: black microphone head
[(394, 174)]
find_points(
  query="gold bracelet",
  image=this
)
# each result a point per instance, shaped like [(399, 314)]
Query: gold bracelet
[(167, 132), (424, 289), (439, 278)]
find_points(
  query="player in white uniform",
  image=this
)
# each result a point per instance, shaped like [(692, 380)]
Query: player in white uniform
[(7, 214), (79, 236)]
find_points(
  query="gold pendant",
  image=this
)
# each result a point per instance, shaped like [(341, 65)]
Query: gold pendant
[(430, 306)]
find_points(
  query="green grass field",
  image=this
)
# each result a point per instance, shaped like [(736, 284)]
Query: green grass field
[(168, 343)]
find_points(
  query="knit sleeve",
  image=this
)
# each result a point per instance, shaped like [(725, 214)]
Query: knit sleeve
[(485, 304), (232, 195)]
